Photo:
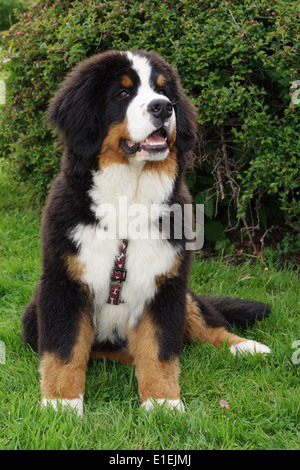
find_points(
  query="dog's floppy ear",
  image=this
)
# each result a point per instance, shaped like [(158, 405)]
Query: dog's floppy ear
[(76, 112), (186, 122)]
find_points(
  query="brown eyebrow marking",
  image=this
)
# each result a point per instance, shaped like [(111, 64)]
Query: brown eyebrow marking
[(126, 81), (160, 80)]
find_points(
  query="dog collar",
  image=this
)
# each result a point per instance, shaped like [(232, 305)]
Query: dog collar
[(118, 275)]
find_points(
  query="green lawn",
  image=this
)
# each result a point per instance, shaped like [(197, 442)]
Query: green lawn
[(263, 393)]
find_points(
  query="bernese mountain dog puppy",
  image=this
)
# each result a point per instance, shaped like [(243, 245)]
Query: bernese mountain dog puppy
[(106, 291)]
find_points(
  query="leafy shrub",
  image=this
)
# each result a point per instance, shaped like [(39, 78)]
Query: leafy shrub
[(237, 61), (7, 14)]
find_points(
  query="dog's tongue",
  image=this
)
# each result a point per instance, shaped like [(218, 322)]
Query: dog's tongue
[(155, 141)]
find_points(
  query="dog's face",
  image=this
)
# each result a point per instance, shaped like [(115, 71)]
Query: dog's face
[(150, 115), (128, 106)]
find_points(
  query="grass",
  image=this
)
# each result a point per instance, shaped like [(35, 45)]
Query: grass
[(263, 393)]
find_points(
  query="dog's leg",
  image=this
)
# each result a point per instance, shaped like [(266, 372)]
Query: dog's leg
[(63, 378), (205, 323), (158, 378)]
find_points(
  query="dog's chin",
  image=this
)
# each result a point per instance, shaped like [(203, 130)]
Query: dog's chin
[(153, 156)]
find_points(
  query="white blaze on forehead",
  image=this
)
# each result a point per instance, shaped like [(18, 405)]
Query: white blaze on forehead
[(138, 117), (142, 67)]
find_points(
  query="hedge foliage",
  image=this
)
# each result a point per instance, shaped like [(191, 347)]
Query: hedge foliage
[(7, 13), (238, 61)]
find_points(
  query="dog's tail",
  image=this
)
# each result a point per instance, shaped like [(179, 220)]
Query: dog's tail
[(239, 312), (208, 319)]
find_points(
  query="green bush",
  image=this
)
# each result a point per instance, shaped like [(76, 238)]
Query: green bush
[(237, 61), (7, 14)]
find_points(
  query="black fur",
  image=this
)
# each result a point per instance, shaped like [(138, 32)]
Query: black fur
[(240, 312)]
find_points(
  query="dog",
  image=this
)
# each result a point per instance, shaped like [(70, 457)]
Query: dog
[(128, 130)]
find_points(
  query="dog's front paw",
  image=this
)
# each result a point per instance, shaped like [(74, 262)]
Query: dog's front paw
[(64, 404), (151, 403), (250, 346)]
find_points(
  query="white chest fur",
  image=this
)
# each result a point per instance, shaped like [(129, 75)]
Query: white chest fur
[(146, 257)]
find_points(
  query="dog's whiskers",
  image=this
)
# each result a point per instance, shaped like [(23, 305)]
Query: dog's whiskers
[(175, 102)]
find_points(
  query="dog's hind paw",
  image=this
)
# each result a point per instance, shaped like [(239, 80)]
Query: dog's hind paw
[(249, 346)]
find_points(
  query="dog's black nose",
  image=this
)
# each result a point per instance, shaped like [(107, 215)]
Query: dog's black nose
[(161, 109)]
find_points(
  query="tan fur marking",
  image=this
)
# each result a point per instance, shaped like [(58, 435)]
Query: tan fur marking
[(74, 267), (197, 329), (157, 379), (126, 81), (160, 80), (119, 356), (111, 152), (67, 380)]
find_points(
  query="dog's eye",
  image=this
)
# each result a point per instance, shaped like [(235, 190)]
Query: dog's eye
[(124, 94)]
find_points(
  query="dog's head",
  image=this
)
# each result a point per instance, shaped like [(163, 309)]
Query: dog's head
[(126, 106)]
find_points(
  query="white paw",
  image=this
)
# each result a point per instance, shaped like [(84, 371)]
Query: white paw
[(64, 404), (172, 404), (250, 346)]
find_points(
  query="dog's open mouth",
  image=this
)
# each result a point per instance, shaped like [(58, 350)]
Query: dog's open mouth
[(156, 142)]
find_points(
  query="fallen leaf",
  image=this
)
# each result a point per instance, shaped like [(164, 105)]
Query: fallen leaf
[(224, 404)]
